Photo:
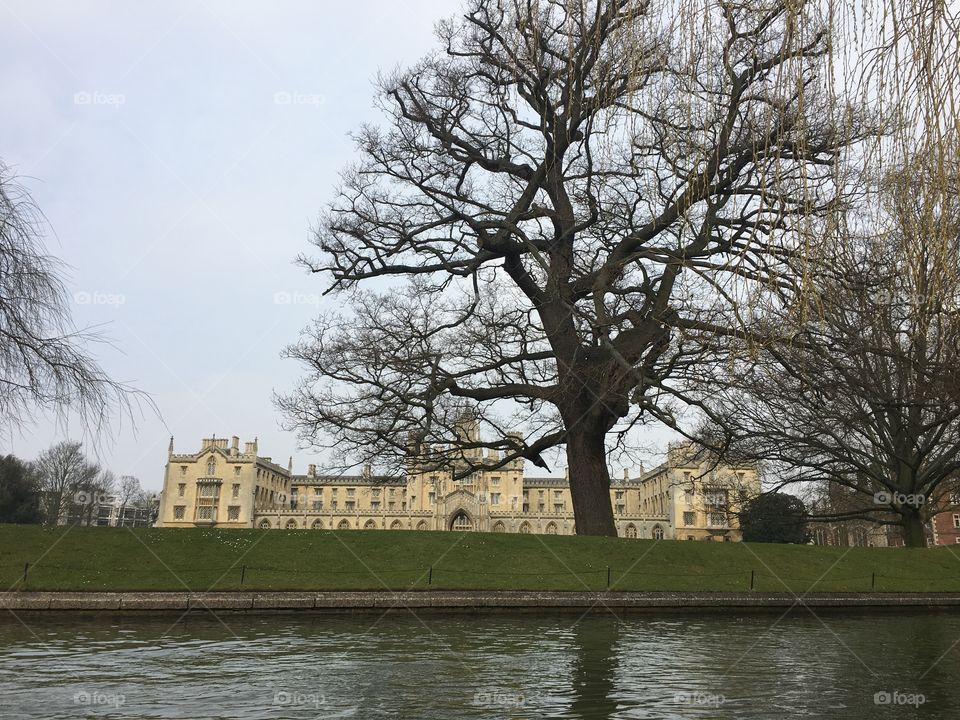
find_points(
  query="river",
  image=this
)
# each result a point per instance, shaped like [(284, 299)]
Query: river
[(706, 665)]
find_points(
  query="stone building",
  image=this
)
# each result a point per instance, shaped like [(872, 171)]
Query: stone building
[(687, 497)]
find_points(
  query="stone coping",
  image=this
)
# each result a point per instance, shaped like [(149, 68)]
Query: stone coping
[(460, 600)]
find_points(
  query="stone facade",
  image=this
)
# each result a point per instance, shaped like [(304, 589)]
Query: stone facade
[(687, 497)]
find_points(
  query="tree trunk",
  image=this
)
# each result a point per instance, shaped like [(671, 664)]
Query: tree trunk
[(590, 482), (914, 532)]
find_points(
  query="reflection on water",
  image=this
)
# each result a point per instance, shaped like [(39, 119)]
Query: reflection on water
[(483, 666)]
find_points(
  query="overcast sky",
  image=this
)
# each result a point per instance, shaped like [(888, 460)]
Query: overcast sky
[(181, 151)]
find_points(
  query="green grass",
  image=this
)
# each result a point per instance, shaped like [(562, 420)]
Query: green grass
[(210, 559)]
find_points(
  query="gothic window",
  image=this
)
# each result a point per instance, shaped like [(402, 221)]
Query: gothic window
[(631, 531), (657, 532)]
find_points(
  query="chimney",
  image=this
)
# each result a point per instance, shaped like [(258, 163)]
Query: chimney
[(367, 470), (250, 448), (626, 474), (311, 470), (170, 448), (234, 445)]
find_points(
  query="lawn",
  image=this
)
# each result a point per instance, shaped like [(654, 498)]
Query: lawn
[(85, 558)]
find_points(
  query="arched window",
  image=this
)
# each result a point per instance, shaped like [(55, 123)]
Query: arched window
[(631, 531), (344, 525), (396, 525), (524, 528), (211, 467), (317, 525), (264, 525), (291, 525), (461, 522), (422, 525), (657, 532), (499, 527), (551, 528), (370, 525)]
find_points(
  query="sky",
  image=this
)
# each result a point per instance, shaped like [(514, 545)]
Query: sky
[(181, 153)]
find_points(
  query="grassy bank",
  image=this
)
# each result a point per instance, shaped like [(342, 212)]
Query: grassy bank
[(210, 559)]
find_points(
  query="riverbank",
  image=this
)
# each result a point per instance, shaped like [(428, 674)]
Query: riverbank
[(92, 559), (440, 600)]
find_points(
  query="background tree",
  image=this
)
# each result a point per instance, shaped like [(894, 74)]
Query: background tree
[(867, 395), (562, 189), (774, 518), (43, 362), (71, 484), (19, 492)]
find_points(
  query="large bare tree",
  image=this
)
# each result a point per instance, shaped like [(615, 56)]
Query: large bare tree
[(561, 188)]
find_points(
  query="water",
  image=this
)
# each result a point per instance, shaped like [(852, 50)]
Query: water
[(483, 666)]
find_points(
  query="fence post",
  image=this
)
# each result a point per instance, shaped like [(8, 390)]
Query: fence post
[(751, 579), (243, 573), (608, 577), (873, 580), (430, 576), (26, 567)]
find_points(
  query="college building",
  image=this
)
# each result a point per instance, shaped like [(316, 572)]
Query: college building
[(688, 497)]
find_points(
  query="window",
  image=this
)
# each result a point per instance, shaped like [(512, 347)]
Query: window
[(333, 504), (619, 494), (391, 505), (631, 531), (657, 532), (956, 521), (351, 492), (375, 492), (236, 490), (432, 498), (717, 498), (689, 518), (233, 512), (291, 525), (344, 525), (557, 494), (209, 490), (375, 505), (551, 529), (181, 489), (205, 512), (494, 498), (621, 509), (718, 519), (317, 525), (499, 527), (495, 480), (317, 505), (183, 469), (350, 505), (558, 507), (317, 491), (688, 497), (370, 525), (525, 528), (179, 512), (236, 471), (211, 467), (264, 524)]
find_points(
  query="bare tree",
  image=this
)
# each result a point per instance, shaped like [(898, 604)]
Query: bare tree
[(68, 479), (867, 395), (563, 187), (43, 363)]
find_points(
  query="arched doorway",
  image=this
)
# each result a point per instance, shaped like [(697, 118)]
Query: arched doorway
[(499, 527), (422, 525), (461, 522)]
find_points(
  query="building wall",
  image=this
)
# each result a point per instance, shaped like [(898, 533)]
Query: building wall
[(676, 500)]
